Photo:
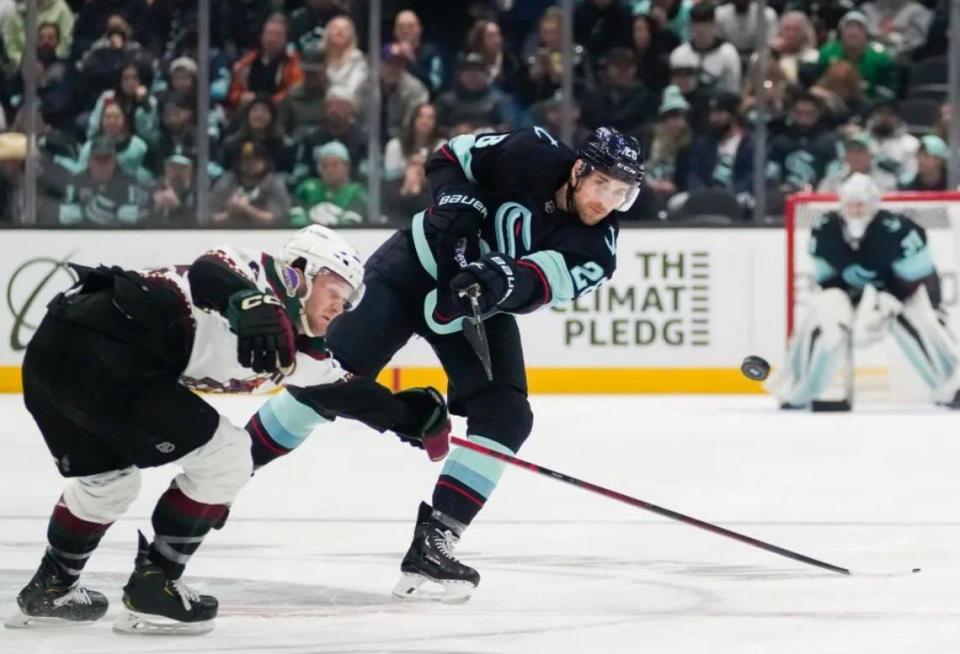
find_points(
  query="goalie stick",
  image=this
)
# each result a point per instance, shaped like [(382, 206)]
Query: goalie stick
[(667, 513)]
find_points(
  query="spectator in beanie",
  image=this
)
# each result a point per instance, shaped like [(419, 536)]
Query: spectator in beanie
[(423, 58), (173, 200), (102, 194), (332, 199), (347, 69), (421, 133), (717, 61), (722, 157), (895, 149), (932, 160), (270, 69), (857, 157), (872, 60), (302, 110), (54, 12), (400, 91), (668, 160), (340, 124), (250, 195), (739, 21), (652, 46)]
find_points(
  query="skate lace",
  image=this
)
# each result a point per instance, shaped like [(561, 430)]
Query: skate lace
[(187, 594), (445, 543), (77, 594)]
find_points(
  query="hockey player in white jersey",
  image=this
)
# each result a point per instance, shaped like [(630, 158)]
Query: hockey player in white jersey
[(876, 276), (108, 378)]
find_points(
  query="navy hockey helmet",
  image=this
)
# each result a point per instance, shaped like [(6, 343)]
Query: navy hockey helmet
[(617, 155)]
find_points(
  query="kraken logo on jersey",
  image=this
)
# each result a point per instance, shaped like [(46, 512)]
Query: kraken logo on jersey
[(512, 220)]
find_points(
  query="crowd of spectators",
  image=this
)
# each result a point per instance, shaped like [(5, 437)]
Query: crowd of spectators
[(850, 87)]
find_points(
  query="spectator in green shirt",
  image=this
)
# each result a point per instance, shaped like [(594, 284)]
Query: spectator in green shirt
[(332, 199), (872, 60)]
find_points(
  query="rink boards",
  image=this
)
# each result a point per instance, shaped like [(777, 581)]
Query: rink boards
[(683, 309)]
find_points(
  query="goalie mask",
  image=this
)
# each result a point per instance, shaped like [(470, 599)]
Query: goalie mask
[(859, 203), (317, 249)]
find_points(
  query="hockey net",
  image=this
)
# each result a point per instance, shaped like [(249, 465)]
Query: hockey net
[(881, 372)]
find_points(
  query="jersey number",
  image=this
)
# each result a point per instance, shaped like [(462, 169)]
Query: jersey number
[(488, 140), (911, 244), (587, 277)]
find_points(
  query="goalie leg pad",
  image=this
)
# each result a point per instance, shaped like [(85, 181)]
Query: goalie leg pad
[(928, 345), (817, 351)]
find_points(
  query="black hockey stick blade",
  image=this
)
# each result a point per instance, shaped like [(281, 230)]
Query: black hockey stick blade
[(475, 332), (668, 513)]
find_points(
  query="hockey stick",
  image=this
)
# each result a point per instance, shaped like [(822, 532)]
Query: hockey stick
[(659, 510), (475, 332)]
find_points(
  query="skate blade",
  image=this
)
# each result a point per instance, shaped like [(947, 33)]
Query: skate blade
[(145, 624), (410, 589), (21, 620)]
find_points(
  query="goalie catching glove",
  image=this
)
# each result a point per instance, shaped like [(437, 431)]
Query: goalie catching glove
[(265, 336), (431, 431)]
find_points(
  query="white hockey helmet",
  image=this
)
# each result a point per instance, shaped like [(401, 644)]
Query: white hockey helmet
[(859, 202), (321, 249)]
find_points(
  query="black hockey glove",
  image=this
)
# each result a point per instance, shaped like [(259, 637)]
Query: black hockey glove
[(431, 430), (494, 273), (265, 335)]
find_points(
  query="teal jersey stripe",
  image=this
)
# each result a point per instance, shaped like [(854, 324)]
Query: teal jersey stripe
[(554, 268), (427, 260), (479, 472), (916, 266), (287, 421), (461, 147)]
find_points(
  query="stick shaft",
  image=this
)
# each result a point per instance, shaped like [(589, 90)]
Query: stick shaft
[(647, 506)]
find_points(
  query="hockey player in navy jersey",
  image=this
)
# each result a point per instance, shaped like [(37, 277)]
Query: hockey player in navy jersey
[(520, 221), (108, 377), (876, 276)]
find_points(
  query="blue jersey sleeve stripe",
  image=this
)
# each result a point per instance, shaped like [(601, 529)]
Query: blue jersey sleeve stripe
[(554, 268)]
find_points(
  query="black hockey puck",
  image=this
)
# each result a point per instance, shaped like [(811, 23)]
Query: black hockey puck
[(754, 367)]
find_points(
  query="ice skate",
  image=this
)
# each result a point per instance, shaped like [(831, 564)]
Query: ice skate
[(156, 604), (49, 601), (430, 560)]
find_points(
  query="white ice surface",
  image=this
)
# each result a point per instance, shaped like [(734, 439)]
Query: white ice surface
[(312, 548)]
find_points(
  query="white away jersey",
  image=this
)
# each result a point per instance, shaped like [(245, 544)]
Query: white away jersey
[(213, 364)]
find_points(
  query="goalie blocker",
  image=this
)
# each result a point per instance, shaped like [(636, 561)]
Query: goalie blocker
[(876, 276)]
